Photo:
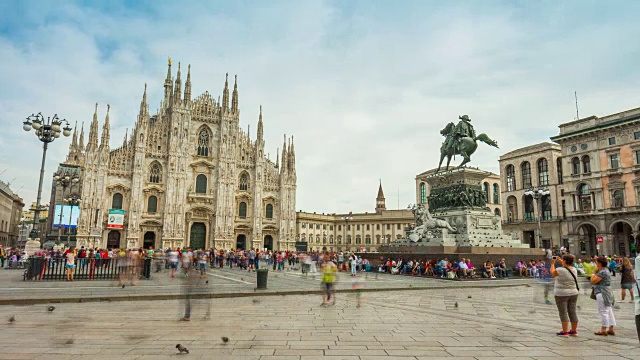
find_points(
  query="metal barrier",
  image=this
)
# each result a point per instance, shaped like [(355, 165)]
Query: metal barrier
[(40, 268)]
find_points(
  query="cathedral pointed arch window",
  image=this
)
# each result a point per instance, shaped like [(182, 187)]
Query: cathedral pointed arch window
[(152, 204), (242, 210), (269, 211), (201, 184), (203, 143), (116, 201), (155, 173), (244, 181)]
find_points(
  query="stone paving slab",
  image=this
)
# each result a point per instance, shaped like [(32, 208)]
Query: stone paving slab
[(389, 325)]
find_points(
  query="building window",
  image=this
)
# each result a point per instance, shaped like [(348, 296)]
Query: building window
[(242, 210), (201, 184), (399, 227), (324, 227), (358, 227), (575, 166), (368, 227), (388, 226), (546, 207), (152, 204), (339, 227), (269, 211), (614, 161), (116, 201), (155, 174), (528, 208), (636, 135), (423, 192), (526, 174), (511, 178), (339, 239), (617, 199), (612, 141), (496, 194), (349, 239), (543, 172), (485, 189), (367, 240), (317, 239), (244, 182), (358, 240), (496, 212), (377, 239), (318, 226), (586, 164), (203, 143), (330, 239), (349, 227), (377, 226), (303, 225), (584, 198), (559, 170)]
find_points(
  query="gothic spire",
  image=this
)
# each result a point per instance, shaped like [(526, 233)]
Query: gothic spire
[(277, 159), (292, 156), (106, 129), (260, 129), (74, 140), (144, 107), (225, 93), (93, 131), (380, 203), (168, 86), (284, 154), (126, 135), (187, 85), (234, 100), (177, 89), (81, 141)]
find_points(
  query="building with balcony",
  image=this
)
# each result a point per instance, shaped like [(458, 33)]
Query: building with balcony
[(10, 215), (601, 166), (535, 166), (353, 232)]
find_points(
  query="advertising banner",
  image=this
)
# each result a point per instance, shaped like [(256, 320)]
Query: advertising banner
[(95, 232), (116, 219)]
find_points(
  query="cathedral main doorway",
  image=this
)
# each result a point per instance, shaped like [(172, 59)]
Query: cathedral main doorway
[(198, 237), (113, 239), (149, 240), (241, 242), (268, 243)]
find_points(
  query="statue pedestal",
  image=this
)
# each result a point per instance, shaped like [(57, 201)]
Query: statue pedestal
[(459, 217), (31, 246)]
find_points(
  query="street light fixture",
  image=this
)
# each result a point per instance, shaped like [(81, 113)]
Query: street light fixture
[(346, 219), (72, 201), (538, 194), (47, 130), (64, 179)]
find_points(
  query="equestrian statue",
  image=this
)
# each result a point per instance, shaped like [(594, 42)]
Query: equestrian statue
[(461, 140)]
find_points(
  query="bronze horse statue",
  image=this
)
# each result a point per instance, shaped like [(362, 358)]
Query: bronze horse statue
[(465, 146)]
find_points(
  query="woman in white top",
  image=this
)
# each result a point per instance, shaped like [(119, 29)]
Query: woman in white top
[(566, 292)]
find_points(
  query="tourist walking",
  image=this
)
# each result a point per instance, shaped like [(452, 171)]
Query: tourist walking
[(627, 279), (566, 291), (329, 270), (354, 263), (637, 296), (604, 297)]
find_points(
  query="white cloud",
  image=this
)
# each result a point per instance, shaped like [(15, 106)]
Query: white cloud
[(363, 92)]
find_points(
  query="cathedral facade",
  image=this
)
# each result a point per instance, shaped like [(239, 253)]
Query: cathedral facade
[(186, 176)]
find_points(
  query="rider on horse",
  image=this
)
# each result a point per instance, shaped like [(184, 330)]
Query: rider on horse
[(463, 129)]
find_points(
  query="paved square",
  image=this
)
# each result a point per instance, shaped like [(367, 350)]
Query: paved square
[(421, 324)]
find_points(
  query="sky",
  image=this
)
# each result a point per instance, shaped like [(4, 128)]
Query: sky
[(363, 86)]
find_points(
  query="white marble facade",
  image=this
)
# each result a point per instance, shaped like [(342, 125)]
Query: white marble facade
[(186, 176)]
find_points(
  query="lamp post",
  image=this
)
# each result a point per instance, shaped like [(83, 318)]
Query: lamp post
[(64, 179), (47, 130), (346, 219), (538, 194), (72, 201)]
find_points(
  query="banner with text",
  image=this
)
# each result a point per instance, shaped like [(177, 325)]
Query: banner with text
[(116, 219)]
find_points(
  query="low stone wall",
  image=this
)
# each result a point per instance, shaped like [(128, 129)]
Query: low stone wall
[(478, 255)]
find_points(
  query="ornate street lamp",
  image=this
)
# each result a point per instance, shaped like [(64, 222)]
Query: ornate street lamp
[(64, 179), (538, 194), (47, 130), (72, 201), (346, 219)]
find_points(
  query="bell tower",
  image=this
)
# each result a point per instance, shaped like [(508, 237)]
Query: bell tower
[(380, 200)]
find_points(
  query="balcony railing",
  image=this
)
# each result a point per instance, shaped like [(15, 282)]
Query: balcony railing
[(533, 219)]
